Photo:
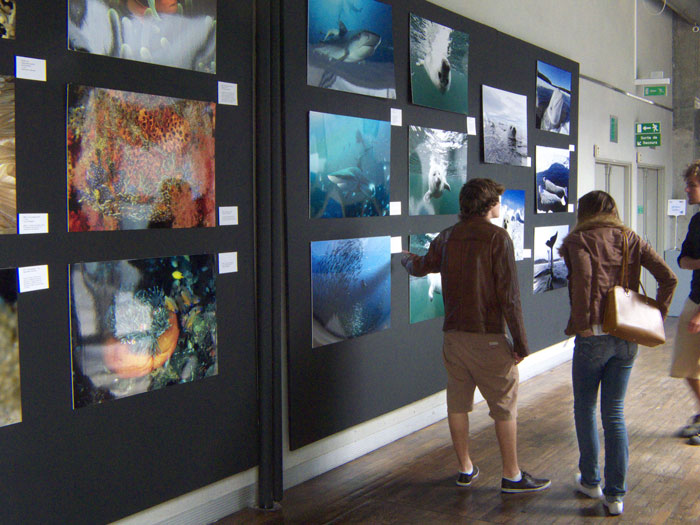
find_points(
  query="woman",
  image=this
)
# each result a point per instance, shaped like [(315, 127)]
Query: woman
[(593, 256)]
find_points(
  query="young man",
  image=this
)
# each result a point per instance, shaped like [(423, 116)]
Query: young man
[(480, 288), (686, 353)]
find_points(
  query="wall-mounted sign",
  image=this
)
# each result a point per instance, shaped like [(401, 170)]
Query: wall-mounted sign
[(654, 91), (676, 207), (647, 134)]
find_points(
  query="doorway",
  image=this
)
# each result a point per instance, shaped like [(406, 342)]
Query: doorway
[(650, 214), (614, 178)]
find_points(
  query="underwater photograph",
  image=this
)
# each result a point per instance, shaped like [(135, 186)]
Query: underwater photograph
[(10, 398), (141, 325), (8, 178), (549, 271), (175, 33), (505, 127), (439, 66), (138, 161), (552, 180), (351, 47), (512, 219), (437, 170), (7, 18), (349, 166), (425, 293), (350, 288), (553, 111)]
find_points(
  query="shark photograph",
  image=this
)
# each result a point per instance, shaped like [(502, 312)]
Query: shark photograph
[(351, 47), (552, 179), (439, 66), (437, 170), (349, 166), (505, 127), (549, 270), (425, 293), (553, 99)]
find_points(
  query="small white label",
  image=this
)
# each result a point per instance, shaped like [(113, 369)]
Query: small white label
[(471, 126), (396, 246), (33, 278), (228, 262), (527, 253), (572, 147), (571, 208), (228, 215), (676, 207), (228, 93), (33, 223), (528, 162), (30, 68), (395, 208), (396, 117)]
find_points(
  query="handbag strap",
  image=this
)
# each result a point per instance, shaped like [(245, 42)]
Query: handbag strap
[(625, 278)]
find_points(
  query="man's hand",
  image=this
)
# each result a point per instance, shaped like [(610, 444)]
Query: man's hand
[(694, 324)]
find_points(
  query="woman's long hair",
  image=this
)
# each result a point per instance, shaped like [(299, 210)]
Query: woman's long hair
[(594, 204)]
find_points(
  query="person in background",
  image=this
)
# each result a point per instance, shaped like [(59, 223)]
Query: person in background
[(476, 262), (593, 256), (686, 352)]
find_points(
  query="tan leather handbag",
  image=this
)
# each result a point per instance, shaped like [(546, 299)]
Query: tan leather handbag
[(630, 315)]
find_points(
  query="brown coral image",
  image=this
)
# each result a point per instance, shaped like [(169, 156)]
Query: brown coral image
[(8, 200)]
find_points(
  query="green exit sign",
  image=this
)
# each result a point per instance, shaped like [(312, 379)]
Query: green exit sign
[(647, 127), (654, 91), (647, 139)]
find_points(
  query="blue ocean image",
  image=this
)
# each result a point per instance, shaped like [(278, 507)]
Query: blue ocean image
[(552, 179), (505, 127), (437, 170), (349, 166), (512, 219), (553, 112), (351, 47), (439, 66), (351, 288), (425, 293)]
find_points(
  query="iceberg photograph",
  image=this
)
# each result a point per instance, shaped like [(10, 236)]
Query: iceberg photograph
[(349, 166), (552, 179), (553, 111), (425, 293), (350, 288), (505, 127), (437, 170), (351, 47), (10, 394), (549, 269), (439, 66), (512, 219)]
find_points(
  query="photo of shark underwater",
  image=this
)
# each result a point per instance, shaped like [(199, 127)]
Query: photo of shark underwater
[(425, 293), (505, 127), (439, 66), (552, 179), (349, 166), (171, 33), (553, 111), (350, 288), (351, 47), (437, 170)]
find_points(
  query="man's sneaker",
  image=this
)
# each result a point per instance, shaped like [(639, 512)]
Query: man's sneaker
[(692, 428), (592, 492), (614, 504), (526, 484), (694, 440), (464, 480)]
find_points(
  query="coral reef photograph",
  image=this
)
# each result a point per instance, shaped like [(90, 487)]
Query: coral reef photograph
[(138, 161), (8, 179), (141, 325), (171, 33), (10, 399)]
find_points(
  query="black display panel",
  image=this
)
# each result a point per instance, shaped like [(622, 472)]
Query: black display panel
[(335, 386), (108, 460)]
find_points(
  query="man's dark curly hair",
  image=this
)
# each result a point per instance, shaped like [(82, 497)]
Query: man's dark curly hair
[(478, 196)]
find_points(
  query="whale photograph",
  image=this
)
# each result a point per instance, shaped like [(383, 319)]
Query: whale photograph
[(505, 127), (10, 395), (425, 293), (549, 268), (351, 47), (439, 66), (349, 166), (552, 179), (8, 175), (437, 170), (512, 219), (175, 33), (141, 325), (553, 111), (350, 288)]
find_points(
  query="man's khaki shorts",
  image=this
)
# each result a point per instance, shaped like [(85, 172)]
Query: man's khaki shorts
[(485, 361), (686, 350)]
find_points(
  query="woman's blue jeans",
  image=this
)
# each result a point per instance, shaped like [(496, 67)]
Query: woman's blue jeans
[(607, 361)]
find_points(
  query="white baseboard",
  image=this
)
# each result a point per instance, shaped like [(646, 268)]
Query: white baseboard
[(232, 494)]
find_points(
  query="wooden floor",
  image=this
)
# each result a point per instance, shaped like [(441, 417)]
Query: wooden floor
[(412, 480)]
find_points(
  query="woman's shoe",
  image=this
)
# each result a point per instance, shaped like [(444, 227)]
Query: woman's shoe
[(614, 504), (592, 492)]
